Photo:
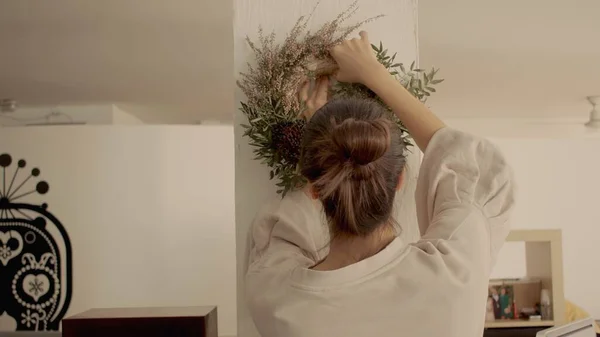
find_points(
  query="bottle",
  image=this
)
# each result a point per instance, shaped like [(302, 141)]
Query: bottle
[(545, 305)]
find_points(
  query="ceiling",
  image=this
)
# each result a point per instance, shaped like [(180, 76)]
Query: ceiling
[(175, 56), (512, 58), (172, 61)]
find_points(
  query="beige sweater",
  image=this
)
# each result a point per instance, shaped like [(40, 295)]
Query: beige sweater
[(434, 287)]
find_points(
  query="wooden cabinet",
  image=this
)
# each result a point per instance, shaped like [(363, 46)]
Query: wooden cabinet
[(147, 322)]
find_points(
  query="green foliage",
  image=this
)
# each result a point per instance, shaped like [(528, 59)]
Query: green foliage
[(418, 82), (261, 119), (263, 116)]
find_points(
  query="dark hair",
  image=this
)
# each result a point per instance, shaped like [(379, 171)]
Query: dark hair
[(353, 155)]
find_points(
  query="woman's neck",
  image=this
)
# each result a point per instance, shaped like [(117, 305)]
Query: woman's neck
[(344, 251)]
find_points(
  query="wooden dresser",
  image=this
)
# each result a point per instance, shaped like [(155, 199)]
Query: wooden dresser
[(146, 322)]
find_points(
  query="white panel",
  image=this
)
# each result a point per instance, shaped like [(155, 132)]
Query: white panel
[(397, 31)]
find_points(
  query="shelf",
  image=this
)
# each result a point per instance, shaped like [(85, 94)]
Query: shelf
[(534, 235), (518, 324), (543, 261)]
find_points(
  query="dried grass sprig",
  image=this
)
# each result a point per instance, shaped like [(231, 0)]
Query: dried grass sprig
[(272, 83)]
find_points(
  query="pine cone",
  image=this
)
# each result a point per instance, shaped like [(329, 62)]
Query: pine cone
[(286, 139)]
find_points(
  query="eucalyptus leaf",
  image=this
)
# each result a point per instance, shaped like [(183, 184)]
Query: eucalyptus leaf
[(431, 73), (272, 109)]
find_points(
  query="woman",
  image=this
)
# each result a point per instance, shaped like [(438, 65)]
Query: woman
[(505, 304), (360, 279), (489, 313)]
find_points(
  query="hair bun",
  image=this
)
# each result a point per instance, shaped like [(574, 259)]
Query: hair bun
[(362, 141), (353, 156)]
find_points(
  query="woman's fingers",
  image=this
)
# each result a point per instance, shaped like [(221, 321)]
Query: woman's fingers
[(316, 98), (336, 50), (364, 36), (320, 93), (339, 76), (303, 92)]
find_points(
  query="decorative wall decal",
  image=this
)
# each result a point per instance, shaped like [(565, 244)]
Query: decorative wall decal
[(35, 254)]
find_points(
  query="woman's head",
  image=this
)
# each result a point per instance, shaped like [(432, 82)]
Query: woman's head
[(353, 156)]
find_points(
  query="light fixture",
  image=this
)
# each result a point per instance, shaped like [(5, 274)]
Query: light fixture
[(594, 121), (7, 105)]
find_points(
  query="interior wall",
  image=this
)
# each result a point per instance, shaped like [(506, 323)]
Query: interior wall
[(397, 31), (524, 128), (558, 184), (122, 117), (149, 211), (556, 168)]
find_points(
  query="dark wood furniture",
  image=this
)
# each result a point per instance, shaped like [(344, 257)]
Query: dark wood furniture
[(512, 332), (143, 322)]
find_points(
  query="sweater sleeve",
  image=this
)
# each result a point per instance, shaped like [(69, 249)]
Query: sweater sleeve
[(465, 180), (286, 231), (285, 234)]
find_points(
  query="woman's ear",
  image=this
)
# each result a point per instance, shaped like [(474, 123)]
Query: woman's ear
[(401, 179), (310, 192), (313, 193)]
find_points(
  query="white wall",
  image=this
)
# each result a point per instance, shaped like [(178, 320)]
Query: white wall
[(122, 117), (150, 211), (557, 168), (397, 31), (528, 128)]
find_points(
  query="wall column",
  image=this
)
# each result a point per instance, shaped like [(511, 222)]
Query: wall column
[(398, 32)]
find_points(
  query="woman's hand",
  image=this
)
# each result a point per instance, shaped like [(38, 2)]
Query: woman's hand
[(356, 60), (315, 100), (358, 64)]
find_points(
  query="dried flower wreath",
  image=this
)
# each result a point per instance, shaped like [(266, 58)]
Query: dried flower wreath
[(276, 117)]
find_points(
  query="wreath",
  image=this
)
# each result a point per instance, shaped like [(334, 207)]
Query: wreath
[(276, 117)]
